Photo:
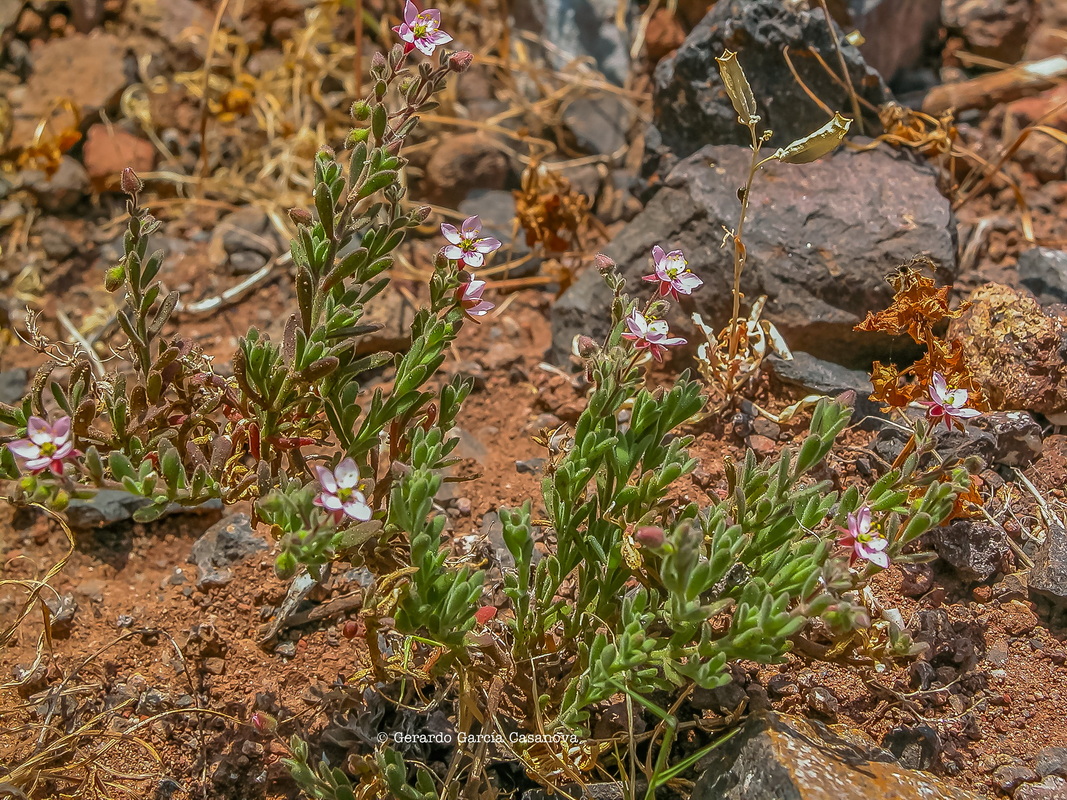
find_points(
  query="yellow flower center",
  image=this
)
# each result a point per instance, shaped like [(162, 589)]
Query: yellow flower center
[(48, 448)]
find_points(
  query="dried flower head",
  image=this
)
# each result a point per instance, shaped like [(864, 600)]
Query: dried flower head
[(45, 446)]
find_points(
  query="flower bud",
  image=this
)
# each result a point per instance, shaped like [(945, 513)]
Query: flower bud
[(649, 536), (603, 264), (285, 565), (264, 723), (587, 348), (461, 61), (114, 277), (301, 216), (129, 182), (421, 214), (847, 398), (377, 61), (360, 110)]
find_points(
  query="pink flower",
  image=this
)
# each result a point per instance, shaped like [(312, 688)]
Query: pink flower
[(672, 273), (864, 543), (946, 405), (466, 245), (650, 335), (45, 446), (340, 494), (421, 29), (470, 297)]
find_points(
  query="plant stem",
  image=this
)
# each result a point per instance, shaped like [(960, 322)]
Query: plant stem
[(739, 247)]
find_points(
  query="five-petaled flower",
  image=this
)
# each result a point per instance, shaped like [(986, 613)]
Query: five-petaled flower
[(467, 244), (340, 493), (672, 273), (650, 334), (470, 297), (421, 29), (45, 446), (947, 405), (862, 541)]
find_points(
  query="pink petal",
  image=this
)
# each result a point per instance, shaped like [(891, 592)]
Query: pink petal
[(347, 474), (426, 47), (39, 431), (38, 464), (966, 413), (65, 450), (326, 479), (24, 448), (687, 282), (330, 501), (439, 37), (879, 558), (938, 388), (432, 13), (405, 33), (657, 254), (411, 13), (450, 233), (473, 259), (357, 508), (673, 342), (472, 225), (636, 324), (452, 252), (487, 245), (480, 310), (61, 430)]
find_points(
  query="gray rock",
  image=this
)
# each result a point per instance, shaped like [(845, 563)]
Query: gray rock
[(691, 108), (976, 550), (531, 466), (227, 542), (247, 229), (778, 757), (496, 208), (819, 254), (56, 240), (579, 29), (1051, 788), (1048, 576), (992, 28), (245, 262), (1044, 272), (916, 747), (599, 123), (815, 376), (63, 609), (61, 191), (1017, 434), (9, 12), (1051, 761), (106, 507), (13, 384)]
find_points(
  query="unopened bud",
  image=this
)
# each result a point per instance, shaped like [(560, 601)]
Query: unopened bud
[(377, 61), (603, 264), (421, 214), (587, 348), (461, 61), (301, 216), (114, 277), (360, 110), (847, 398), (264, 723), (129, 182), (649, 536)]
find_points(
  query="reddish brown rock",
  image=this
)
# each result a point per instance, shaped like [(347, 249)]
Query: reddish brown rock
[(463, 163), (88, 71), (1016, 350), (664, 34), (992, 28), (109, 150)]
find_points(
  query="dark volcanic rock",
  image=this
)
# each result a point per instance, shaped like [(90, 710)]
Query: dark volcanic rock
[(225, 543), (820, 237), (777, 757), (690, 105), (1044, 272), (813, 375), (976, 550), (1048, 576)]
